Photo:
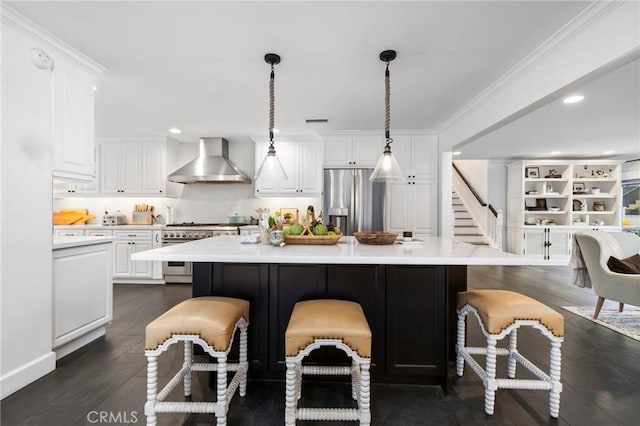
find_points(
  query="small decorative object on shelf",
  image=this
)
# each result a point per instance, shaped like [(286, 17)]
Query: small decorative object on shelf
[(598, 206), (553, 174)]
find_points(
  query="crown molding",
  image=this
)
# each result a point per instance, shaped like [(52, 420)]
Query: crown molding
[(590, 16), (13, 19), (401, 132)]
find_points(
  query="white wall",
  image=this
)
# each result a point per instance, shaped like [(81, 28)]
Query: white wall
[(497, 192), (25, 216), (475, 171)]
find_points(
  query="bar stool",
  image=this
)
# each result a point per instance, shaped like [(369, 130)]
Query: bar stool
[(210, 322), (501, 313), (337, 323)]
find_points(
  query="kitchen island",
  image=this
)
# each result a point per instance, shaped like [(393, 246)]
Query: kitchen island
[(407, 292)]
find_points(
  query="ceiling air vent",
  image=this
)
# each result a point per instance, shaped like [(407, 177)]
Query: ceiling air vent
[(316, 120)]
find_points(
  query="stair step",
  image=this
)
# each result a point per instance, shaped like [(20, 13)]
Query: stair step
[(478, 243), (462, 215), (467, 235), (469, 239)]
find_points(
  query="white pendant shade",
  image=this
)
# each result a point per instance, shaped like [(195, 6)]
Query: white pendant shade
[(387, 169), (271, 168)]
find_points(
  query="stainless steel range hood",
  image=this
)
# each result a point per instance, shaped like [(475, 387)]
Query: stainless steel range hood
[(212, 165)]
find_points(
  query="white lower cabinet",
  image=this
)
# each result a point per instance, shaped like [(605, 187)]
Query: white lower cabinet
[(130, 242), (411, 206), (546, 243), (82, 295)]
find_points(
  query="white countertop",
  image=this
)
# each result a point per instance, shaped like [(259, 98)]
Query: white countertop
[(434, 251), (66, 242)]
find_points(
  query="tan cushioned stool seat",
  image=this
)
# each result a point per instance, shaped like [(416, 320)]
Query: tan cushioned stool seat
[(500, 308), (211, 318), (328, 319)]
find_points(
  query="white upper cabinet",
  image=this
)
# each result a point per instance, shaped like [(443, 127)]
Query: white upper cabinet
[(153, 174), (352, 150), (302, 162), (132, 168), (119, 166), (417, 155), (73, 124)]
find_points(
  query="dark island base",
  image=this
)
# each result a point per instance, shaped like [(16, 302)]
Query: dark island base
[(410, 310)]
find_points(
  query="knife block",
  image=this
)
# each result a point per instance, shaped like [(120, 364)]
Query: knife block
[(142, 218)]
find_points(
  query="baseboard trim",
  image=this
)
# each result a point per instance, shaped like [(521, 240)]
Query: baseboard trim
[(79, 342), (26, 374)]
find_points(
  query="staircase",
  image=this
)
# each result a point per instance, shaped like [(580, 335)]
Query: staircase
[(465, 229)]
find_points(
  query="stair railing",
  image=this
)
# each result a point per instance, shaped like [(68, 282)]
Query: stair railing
[(492, 229)]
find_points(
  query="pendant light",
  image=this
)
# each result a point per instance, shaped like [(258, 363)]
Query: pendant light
[(271, 168), (387, 168)]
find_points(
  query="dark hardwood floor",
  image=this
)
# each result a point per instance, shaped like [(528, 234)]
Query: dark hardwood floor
[(600, 372)]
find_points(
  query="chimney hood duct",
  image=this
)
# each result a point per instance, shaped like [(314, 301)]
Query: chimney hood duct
[(212, 165)]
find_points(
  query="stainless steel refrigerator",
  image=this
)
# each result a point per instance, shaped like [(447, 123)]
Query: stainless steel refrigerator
[(352, 202)]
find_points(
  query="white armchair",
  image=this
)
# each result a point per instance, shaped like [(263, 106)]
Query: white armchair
[(596, 247)]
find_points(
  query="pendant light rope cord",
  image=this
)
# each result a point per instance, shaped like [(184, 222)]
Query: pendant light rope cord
[(387, 101), (271, 105)]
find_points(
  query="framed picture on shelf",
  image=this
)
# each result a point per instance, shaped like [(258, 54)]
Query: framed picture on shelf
[(532, 172), (540, 204), (579, 188)]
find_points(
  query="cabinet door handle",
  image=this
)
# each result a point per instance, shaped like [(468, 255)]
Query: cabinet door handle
[(132, 235)]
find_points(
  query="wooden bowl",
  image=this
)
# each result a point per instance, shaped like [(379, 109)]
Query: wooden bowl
[(376, 237)]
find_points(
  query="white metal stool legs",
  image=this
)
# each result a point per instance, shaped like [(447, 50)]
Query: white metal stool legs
[(156, 401), (554, 373), (460, 343), (360, 380), (550, 382), (490, 385), (513, 349), (291, 394), (152, 390), (188, 360)]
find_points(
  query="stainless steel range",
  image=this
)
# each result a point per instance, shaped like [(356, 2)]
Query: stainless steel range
[(181, 272)]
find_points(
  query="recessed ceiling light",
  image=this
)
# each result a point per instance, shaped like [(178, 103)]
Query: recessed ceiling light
[(572, 99), (175, 130), (608, 152), (556, 152), (95, 88), (457, 152)]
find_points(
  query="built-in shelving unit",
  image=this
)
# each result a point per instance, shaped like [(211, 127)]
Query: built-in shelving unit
[(555, 198)]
